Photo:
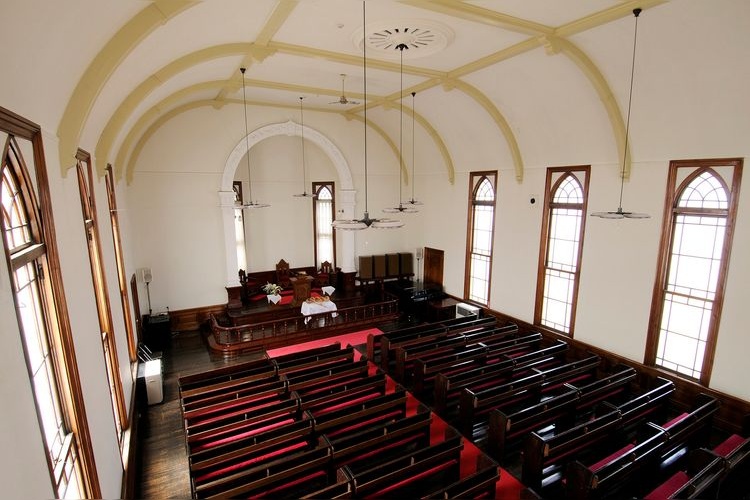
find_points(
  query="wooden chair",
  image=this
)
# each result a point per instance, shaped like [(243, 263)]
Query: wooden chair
[(323, 276), (283, 274)]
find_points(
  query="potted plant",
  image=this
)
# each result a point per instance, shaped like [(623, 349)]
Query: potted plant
[(272, 292)]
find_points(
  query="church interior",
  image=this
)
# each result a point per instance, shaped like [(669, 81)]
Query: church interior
[(374, 248)]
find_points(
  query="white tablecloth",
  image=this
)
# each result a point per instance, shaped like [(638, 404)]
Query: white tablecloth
[(309, 308)]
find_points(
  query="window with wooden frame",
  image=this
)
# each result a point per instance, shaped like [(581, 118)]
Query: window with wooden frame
[(699, 216), (111, 361), (324, 211), (239, 226), (33, 260), (122, 281), (480, 236), (561, 247)]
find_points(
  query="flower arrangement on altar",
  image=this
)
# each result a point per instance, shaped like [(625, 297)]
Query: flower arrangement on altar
[(272, 288)]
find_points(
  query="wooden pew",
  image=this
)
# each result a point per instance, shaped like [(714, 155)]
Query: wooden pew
[(200, 384), (491, 337), (448, 387), (507, 428), (240, 454), (579, 371), (702, 479), (690, 429), (312, 377), (403, 355), (425, 369), (236, 410), (310, 358), (545, 458), (292, 475), (618, 472), (478, 400), (391, 340), (256, 420), (733, 482), (382, 442), (344, 394), (479, 484), (197, 413), (335, 422), (424, 470), (475, 404), (229, 392)]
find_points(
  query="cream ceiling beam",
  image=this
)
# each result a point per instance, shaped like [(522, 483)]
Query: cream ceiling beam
[(500, 121), (101, 68), (589, 69), (466, 11), (625, 9), (355, 60), (154, 118), (277, 19), (131, 102)]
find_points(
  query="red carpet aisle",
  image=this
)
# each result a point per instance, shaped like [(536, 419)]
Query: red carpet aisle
[(507, 488)]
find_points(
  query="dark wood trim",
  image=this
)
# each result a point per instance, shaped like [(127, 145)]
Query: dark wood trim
[(109, 180), (549, 191), (87, 194), (470, 228), (194, 318), (75, 408), (315, 188), (657, 301)]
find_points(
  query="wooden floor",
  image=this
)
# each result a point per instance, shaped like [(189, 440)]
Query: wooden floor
[(162, 465)]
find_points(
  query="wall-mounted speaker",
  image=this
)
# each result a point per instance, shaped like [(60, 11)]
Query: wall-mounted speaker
[(146, 275)]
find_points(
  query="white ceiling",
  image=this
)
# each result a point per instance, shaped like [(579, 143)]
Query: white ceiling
[(49, 48)]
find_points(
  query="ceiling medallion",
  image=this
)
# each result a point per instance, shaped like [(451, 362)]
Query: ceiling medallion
[(421, 37)]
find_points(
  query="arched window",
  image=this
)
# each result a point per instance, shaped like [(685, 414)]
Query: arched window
[(41, 312), (689, 291), (481, 230), (561, 248), (122, 280), (85, 174), (323, 215)]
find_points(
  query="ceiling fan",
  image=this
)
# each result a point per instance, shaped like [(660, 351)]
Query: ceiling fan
[(343, 99)]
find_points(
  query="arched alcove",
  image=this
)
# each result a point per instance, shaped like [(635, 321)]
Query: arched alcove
[(345, 189)]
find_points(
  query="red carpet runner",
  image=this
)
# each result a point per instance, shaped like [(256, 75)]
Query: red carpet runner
[(508, 487)]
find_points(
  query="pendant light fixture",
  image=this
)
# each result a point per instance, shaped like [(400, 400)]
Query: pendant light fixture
[(250, 203), (304, 193), (366, 221), (413, 201), (620, 213), (401, 208)]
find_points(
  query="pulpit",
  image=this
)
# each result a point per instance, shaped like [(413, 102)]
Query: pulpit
[(302, 285)]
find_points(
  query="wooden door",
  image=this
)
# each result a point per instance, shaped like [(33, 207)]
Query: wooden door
[(433, 265)]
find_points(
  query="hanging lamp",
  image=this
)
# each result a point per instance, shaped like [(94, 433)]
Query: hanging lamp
[(250, 204), (620, 213), (401, 208), (413, 201), (365, 221), (304, 193)]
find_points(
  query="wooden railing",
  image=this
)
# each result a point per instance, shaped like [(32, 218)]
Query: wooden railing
[(286, 331)]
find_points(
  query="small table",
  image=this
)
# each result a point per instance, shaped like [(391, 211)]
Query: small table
[(302, 287)]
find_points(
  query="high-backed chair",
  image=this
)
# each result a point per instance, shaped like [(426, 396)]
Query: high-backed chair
[(324, 274), (282, 274)]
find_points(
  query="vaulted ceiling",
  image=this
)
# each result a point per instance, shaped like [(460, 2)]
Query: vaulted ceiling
[(106, 74)]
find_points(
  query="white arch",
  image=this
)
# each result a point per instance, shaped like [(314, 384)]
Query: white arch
[(345, 190)]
